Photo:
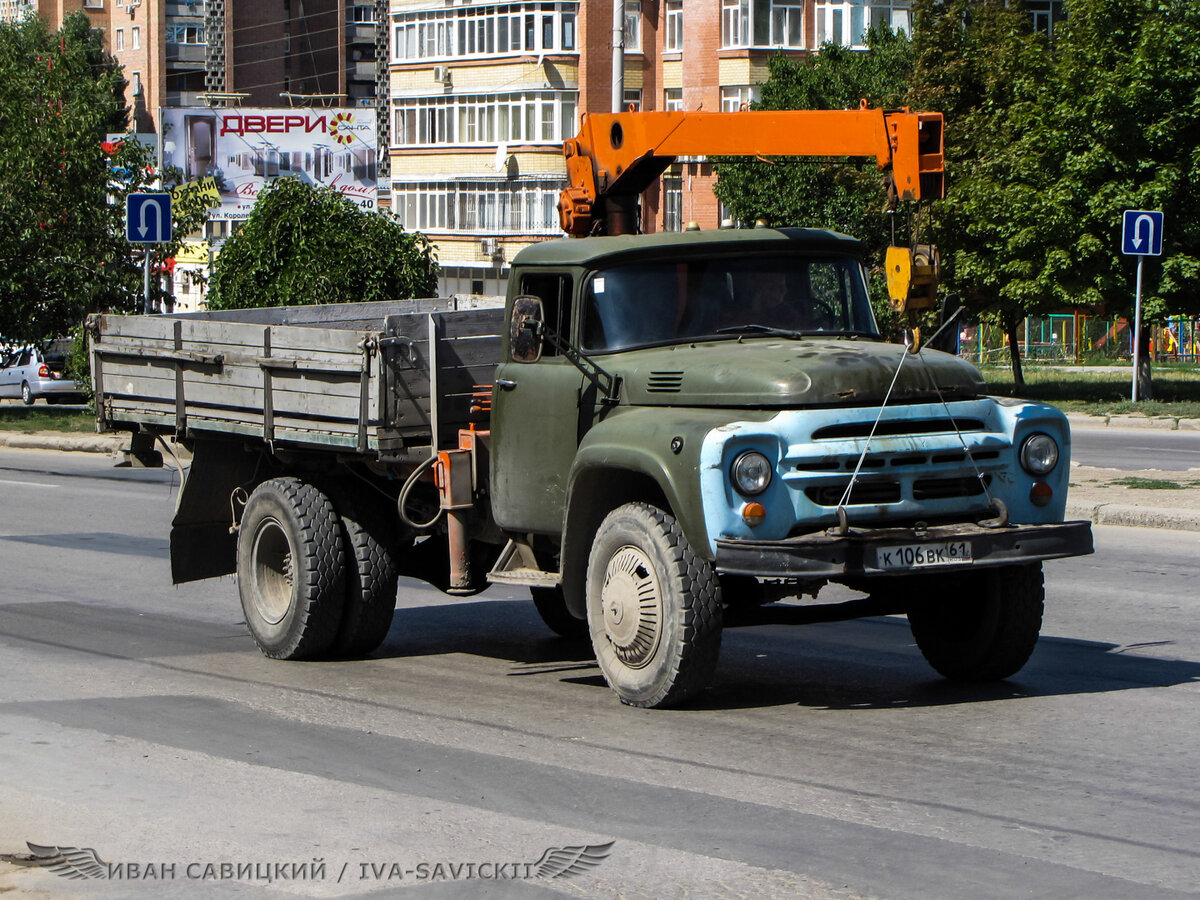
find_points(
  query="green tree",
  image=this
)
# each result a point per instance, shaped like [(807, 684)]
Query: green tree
[(850, 197), (791, 191), (62, 193), (1047, 144), (980, 63), (1123, 134), (304, 244)]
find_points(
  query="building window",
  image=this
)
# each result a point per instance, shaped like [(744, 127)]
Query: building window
[(735, 23), (632, 100), (483, 207), (674, 39), (501, 30), (529, 117), (734, 98), (846, 23), (120, 39), (136, 37), (787, 23), (360, 15), (135, 84), (673, 99), (1046, 15), (896, 15), (185, 34), (633, 26), (672, 203)]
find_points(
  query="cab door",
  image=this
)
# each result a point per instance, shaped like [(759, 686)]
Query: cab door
[(536, 424)]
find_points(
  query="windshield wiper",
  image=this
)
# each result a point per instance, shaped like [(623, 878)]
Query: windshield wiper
[(754, 328)]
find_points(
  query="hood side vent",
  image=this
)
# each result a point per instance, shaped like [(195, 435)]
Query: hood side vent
[(664, 382)]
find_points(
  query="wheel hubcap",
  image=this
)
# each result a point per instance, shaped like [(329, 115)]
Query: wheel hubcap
[(272, 571), (631, 601)]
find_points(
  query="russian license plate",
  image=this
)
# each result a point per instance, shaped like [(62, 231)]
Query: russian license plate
[(923, 556)]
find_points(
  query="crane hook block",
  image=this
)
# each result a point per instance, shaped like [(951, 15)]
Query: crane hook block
[(912, 277)]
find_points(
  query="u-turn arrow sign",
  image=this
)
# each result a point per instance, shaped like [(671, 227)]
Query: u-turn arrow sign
[(148, 218), (1142, 233)]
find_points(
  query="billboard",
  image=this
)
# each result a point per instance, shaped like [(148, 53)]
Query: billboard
[(243, 149)]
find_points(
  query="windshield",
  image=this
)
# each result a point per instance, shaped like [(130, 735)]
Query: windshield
[(662, 302)]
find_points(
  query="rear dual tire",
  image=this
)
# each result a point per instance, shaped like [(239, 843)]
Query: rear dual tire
[(291, 569), (314, 580)]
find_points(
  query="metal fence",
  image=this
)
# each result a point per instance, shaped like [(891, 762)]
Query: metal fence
[(1080, 339)]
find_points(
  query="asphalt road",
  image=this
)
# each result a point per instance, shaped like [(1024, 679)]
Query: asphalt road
[(1131, 449), (138, 719)]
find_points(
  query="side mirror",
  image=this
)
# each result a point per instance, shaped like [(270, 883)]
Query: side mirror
[(526, 328), (947, 341)]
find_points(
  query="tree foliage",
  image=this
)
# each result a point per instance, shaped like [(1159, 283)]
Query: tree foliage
[(61, 194), (791, 191), (303, 244), (1047, 142)]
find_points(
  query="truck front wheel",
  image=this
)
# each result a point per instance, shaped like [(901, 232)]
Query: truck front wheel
[(982, 628), (291, 569), (654, 608)]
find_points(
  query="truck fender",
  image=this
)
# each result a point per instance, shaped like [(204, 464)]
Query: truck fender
[(202, 543), (603, 477)]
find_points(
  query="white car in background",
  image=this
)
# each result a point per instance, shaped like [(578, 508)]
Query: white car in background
[(31, 372)]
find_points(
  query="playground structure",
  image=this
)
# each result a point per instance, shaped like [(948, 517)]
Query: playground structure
[(1077, 338)]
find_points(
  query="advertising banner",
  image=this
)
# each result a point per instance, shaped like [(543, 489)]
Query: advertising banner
[(242, 149)]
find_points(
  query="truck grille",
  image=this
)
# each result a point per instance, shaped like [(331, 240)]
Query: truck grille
[(875, 492), (893, 427)]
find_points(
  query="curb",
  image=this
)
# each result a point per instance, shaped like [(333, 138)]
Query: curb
[(1135, 516), (1133, 420), (83, 443)]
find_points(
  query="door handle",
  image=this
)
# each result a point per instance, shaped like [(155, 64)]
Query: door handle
[(505, 384)]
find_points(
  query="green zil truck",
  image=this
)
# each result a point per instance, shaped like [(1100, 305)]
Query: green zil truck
[(653, 431)]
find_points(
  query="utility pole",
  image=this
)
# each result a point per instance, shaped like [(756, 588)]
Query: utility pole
[(618, 55)]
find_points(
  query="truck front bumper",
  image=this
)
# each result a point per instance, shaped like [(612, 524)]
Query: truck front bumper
[(871, 552)]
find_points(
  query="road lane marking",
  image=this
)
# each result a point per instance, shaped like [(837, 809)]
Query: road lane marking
[(29, 483)]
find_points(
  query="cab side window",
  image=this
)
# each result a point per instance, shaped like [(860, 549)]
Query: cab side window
[(554, 290)]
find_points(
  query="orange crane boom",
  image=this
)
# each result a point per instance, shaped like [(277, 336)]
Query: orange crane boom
[(616, 156)]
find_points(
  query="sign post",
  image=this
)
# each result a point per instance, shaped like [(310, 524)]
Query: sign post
[(148, 221), (1141, 236)]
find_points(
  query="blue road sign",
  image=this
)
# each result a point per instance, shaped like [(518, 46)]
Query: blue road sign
[(148, 218), (1142, 233)]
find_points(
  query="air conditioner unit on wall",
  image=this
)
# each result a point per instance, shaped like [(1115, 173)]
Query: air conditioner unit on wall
[(441, 74), (488, 246)]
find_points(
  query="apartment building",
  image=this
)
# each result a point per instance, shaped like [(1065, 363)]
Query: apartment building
[(218, 52)]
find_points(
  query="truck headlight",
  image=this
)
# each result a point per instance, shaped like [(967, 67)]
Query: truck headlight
[(751, 473), (1039, 454)]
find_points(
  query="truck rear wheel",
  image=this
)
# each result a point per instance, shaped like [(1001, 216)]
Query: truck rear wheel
[(371, 576), (291, 569), (983, 628), (654, 608)]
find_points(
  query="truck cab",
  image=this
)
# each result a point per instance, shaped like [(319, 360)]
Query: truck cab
[(703, 413)]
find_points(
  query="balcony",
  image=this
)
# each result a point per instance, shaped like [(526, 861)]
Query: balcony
[(361, 71), (185, 98), (186, 56)]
